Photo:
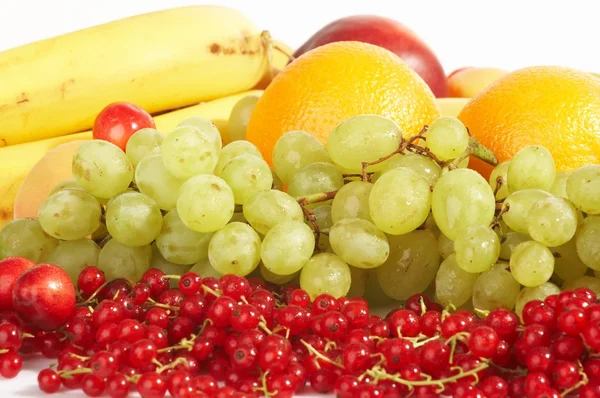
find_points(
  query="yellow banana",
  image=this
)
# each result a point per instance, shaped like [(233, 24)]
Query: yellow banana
[(159, 61), (17, 160)]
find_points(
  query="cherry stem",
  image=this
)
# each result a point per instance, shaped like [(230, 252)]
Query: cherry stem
[(317, 354)]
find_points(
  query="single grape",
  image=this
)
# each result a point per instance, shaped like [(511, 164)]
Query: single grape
[(102, 168), (154, 180), (70, 214), (400, 201), (583, 188), (500, 171), (205, 269), (477, 248), (119, 261), (287, 247), (567, 264), (447, 138), (445, 246), (325, 273), (25, 237), (235, 249), (422, 165), (363, 138), (74, 255), (534, 293), (315, 178), (358, 286), (142, 143), (324, 223), (359, 243), (65, 184), (207, 127), (274, 278), (133, 219), (169, 268), (188, 151), (352, 201), (587, 241), (240, 117), (518, 204), (509, 241), (265, 209), (559, 188), (246, 175), (453, 285), (179, 244), (296, 150), (462, 198), (411, 266), (205, 203), (532, 167), (233, 149), (496, 288), (552, 221), (375, 295), (531, 263), (583, 281)]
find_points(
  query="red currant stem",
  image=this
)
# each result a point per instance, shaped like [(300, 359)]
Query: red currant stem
[(27, 336), (68, 374), (452, 340), (165, 306), (381, 357), (80, 357), (317, 354), (483, 313), (91, 309), (423, 306), (376, 338), (93, 295), (4, 351), (133, 379), (207, 321), (582, 382), (216, 293), (507, 370), (329, 346), (52, 365), (263, 325), (423, 342), (176, 277), (172, 365), (263, 386), (184, 344)]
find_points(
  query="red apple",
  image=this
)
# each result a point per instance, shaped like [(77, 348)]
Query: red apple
[(389, 34), (118, 121), (44, 296), (11, 269)]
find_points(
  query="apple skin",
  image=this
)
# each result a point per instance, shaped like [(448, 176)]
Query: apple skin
[(11, 268), (389, 34), (469, 81), (117, 122)]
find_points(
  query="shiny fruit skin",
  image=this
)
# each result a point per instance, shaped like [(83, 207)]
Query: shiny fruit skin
[(118, 121), (11, 269), (468, 82), (44, 296)]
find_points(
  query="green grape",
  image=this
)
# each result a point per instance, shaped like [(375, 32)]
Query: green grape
[(583, 281), (352, 201), (363, 138), (587, 241), (25, 237), (518, 204), (423, 166), (70, 214), (265, 209), (102, 168), (277, 184), (133, 219), (375, 295), (235, 249), (411, 266), (583, 188), (179, 244), (154, 180), (296, 150), (531, 263), (246, 175), (534, 293), (169, 268), (509, 241), (205, 269), (445, 246), (359, 243), (274, 278), (65, 184), (567, 264), (447, 138), (205, 203), (74, 255), (453, 285), (233, 149), (552, 221), (205, 126), (188, 151), (559, 188), (315, 178), (287, 247), (324, 222), (240, 117), (500, 171), (531, 168), (142, 143), (477, 248), (496, 288), (119, 261), (462, 198), (358, 285), (431, 226), (400, 201), (325, 273)]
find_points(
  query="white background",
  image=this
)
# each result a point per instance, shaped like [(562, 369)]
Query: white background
[(507, 34)]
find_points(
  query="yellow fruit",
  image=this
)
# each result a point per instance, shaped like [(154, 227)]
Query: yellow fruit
[(281, 54), (451, 106), (159, 61), (468, 82)]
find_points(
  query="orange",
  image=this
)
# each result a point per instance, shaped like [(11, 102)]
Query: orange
[(556, 107), (334, 82)]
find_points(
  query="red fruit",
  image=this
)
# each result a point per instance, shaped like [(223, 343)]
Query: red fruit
[(389, 34), (118, 121), (44, 296), (11, 268)]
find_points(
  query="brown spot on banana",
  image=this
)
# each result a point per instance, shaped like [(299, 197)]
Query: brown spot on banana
[(23, 98), (65, 86), (248, 44)]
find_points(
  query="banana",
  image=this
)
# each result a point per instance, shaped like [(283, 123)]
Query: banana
[(160, 61), (16, 161)]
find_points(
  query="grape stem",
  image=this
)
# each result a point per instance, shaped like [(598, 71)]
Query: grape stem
[(499, 183), (496, 221), (309, 214)]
